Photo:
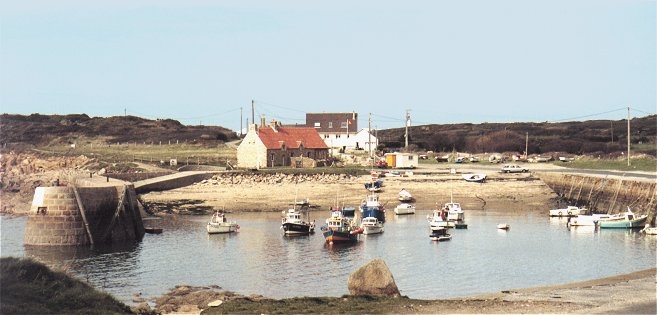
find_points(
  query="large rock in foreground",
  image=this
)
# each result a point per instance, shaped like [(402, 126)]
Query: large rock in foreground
[(373, 279)]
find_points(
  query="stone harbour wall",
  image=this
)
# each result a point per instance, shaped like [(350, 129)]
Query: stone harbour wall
[(68, 215)]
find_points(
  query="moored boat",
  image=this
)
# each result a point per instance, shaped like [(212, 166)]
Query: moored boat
[(454, 211), (588, 220), (371, 207), (628, 221), (440, 234), (405, 195), (339, 229), (404, 208), (438, 219), (475, 178), (371, 225), (503, 226), (570, 211), (219, 224), (293, 223), (649, 230)]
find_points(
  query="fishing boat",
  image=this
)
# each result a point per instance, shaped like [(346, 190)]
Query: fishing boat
[(219, 224), (293, 223), (627, 221), (438, 219), (371, 207), (440, 234), (405, 195), (404, 208), (339, 229), (371, 225), (570, 211), (454, 211)]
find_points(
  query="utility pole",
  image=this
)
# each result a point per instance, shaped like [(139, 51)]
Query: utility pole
[(369, 132), (408, 123), (526, 144), (628, 136)]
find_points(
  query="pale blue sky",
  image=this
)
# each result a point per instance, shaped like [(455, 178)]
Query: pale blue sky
[(444, 61)]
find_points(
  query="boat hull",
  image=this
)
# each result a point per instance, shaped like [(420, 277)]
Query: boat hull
[(623, 224), (372, 229), (333, 236), (221, 228), (296, 228), (399, 210), (570, 211)]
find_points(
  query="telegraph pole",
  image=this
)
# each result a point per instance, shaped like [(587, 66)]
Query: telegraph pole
[(369, 132), (408, 122), (628, 136)]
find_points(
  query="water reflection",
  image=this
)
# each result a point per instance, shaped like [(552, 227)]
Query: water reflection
[(259, 259)]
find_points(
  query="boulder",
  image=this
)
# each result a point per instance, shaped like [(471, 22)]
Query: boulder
[(373, 279)]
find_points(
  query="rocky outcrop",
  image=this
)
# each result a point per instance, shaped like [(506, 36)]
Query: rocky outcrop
[(373, 279)]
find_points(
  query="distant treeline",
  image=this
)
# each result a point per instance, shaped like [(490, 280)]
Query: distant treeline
[(577, 137)]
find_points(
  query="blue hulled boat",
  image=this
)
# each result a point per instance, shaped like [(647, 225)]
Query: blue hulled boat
[(371, 207)]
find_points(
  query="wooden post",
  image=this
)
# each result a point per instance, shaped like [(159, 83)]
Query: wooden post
[(84, 217)]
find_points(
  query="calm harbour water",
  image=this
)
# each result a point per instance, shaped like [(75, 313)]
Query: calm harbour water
[(536, 251)]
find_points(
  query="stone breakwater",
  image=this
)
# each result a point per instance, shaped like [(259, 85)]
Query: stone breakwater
[(275, 179)]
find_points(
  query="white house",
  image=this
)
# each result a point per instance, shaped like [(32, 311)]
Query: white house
[(340, 131)]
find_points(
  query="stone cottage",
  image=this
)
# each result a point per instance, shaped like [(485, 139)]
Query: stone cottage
[(276, 145)]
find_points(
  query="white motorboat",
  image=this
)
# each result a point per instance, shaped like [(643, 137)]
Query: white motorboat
[(371, 225), (404, 208), (454, 211), (570, 211), (438, 219), (218, 224), (405, 195), (588, 220)]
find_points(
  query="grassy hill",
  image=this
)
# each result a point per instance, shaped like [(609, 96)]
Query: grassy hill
[(593, 137), (42, 130), (576, 137)]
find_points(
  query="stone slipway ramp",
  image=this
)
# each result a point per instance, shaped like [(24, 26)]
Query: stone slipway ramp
[(172, 181)]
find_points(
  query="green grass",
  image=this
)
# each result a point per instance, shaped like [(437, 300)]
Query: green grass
[(192, 154), (29, 287), (644, 164)]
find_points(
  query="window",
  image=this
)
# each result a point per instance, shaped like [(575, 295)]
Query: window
[(343, 125), (330, 124), (318, 125)]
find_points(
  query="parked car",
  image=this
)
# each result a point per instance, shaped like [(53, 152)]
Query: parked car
[(514, 168)]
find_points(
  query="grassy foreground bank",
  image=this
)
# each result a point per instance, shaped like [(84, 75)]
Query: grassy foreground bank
[(29, 287)]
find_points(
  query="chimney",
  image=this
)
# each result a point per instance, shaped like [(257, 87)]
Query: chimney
[(262, 121), (273, 124)]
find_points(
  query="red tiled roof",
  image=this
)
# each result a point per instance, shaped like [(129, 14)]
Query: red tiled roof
[(292, 137)]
